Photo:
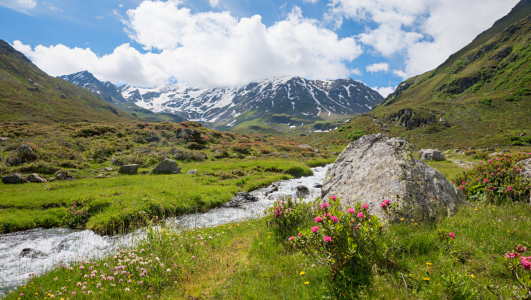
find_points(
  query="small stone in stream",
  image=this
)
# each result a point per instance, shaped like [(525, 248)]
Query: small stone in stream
[(318, 186), (32, 253), (302, 191), (239, 199)]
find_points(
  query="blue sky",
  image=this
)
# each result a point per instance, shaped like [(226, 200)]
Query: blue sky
[(228, 42)]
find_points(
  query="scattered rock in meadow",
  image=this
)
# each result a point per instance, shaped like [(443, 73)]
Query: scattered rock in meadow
[(302, 191), (506, 151), (3, 139), (13, 179), (377, 167), (51, 179), (14, 161), (488, 150), (458, 151), (495, 154), (431, 154), (23, 154), (117, 162), (304, 146), (239, 199), (108, 169), (522, 134), (34, 177), (167, 166), (129, 169), (63, 175), (32, 253), (192, 172), (526, 165)]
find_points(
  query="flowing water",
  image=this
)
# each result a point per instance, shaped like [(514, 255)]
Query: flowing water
[(62, 245)]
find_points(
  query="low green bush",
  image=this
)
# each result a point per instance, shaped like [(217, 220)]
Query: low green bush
[(486, 101), (356, 134)]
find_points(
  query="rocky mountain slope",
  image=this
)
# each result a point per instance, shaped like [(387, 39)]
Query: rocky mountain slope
[(294, 96), (29, 94), (481, 96)]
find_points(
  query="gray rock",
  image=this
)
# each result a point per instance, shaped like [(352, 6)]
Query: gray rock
[(318, 186), (304, 146), (239, 199), (302, 191), (526, 166), (14, 161), (472, 148), (495, 154), (377, 167), (32, 253), (51, 179), (506, 151), (108, 169), (316, 151), (488, 150), (33, 177), (431, 154), (3, 139), (117, 162), (167, 166), (63, 175), (192, 172), (522, 134), (129, 169), (14, 179), (458, 151)]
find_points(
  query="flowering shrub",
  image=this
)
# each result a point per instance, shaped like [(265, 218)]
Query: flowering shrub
[(286, 215), (242, 148), (497, 178), (341, 239), (520, 268)]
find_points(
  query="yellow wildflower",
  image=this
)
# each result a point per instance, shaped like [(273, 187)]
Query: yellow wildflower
[(306, 282), (302, 273)]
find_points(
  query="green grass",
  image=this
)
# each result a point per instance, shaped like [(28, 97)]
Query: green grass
[(119, 203), (247, 261)]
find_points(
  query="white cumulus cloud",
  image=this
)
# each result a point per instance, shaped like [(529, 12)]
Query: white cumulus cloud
[(425, 32), (384, 91), (214, 3), (19, 5), (378, 67), (400, 73), (207, 49)]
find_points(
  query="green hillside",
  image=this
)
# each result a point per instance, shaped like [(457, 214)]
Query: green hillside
[(481, 96), (29, 94)]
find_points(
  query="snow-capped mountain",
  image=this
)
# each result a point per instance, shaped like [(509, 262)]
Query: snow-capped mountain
[(295, 96), (107, 90)]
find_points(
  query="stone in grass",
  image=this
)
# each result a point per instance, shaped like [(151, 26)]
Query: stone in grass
[(129, 169), (13, 179), (526, 165), (167, 166), (51, 179), (63, 175), (192, 172), (117, 162), (34, 177), (377, 167), (108, 169), (431, 154)]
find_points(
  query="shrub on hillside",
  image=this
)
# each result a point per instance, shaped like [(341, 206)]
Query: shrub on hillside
[(486, 101), (94, 131), (184, 155), (356, 134), (496, 179), (242, 148)]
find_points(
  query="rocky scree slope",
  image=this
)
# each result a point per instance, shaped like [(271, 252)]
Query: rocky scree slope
[(481, 97), (294, 96), (29, 94)]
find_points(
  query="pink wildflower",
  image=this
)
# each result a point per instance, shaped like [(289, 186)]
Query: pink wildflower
[(351, 211), (299, 234), (291, 238), (365, 206), (324, 205), (333, 197), (361, 215), (334, 219), (327, 239), (452, 235), (318, 219), (315, 229)]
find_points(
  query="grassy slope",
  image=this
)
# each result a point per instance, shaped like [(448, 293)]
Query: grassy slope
[(473, 123), (29, 94)]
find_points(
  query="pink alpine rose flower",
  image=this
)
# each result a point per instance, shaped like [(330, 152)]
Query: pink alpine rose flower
[(333, 197), (315, 229), (361, 215), (452, 235), (327, 239), (334, 219), (365, 206), (324, 205), (318, 219)]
